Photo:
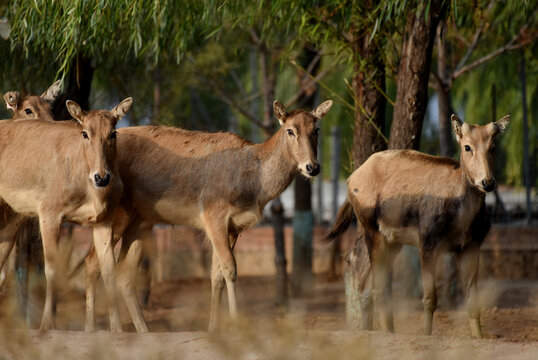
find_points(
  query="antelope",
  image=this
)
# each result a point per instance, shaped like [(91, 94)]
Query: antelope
[(33, 106), (64, 171), (218, 183), (434, 203), (12, 224)]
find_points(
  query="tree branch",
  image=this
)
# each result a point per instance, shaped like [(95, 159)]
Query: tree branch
[(476, 38), (509, 46), (234, 103)]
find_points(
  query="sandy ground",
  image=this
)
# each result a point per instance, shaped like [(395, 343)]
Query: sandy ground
[(311, 328)]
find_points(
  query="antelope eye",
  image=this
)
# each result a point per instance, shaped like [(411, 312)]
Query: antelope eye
[(290, 132), (85, 134), (113, 135), (467, 148), (316, 131), (28, 111)]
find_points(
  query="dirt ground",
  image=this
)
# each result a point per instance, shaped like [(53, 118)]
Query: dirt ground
[(313, 327)]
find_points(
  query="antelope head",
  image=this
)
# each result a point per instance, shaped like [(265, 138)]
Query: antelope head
[(33, 106), (99, 137), (301, 134), (477, 145)]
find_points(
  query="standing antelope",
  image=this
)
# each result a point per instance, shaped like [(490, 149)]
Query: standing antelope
[(13, 225), (179, 178), (64, 171), (434, 203)]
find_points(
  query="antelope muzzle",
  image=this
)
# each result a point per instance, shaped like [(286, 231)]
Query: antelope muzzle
[(314, 169), (101, 181), (488, 185)]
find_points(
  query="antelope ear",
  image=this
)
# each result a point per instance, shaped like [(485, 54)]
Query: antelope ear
[(280, 112), (322, 109), (12, 99), (500, 125), (121, 109), (53, 91), (74, 109), (457, 124)]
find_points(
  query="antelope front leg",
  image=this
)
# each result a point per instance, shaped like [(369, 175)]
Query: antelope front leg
[(382, 282), (50, 234), (427, 265), (102, 239), (216, 229), (217, 285), (469, 272), (91, 264), (128, 263)]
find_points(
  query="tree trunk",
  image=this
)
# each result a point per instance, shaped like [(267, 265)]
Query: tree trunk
[(448, 283), (302, 280), (370, 104), (157, 82), (369, 101), (79, 82), (446, 146), (268, 73), (413, 75), (281, 276)]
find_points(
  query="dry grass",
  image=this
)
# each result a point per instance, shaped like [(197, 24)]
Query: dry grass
[(312, 328)]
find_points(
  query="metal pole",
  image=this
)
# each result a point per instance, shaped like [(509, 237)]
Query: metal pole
[(320, 186), (526, 162), (335, 162)]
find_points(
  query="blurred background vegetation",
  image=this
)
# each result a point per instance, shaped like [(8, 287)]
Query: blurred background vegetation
[(206, 64)]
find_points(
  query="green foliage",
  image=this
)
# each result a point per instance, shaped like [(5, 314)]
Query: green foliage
[(203, 53), (474, 97), (472, 92), (149, 31)]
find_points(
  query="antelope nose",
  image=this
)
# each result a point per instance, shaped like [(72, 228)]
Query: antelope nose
[(488, 185), (102, 181), (313, 170)]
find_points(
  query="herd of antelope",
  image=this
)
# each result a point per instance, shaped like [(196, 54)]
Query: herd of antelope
[(122, 182)]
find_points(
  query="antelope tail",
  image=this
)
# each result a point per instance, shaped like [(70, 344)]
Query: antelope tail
[(342, 222)]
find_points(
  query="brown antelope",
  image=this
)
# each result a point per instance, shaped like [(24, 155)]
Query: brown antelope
[(434, 203), (180, 177), (32, 106), (27, 107), (64, 171)]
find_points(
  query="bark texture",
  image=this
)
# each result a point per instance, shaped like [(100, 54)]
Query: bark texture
[(370, 103), (413, 75)]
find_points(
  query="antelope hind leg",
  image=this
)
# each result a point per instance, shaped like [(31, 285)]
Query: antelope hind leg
[(469, 272), (427, 265)]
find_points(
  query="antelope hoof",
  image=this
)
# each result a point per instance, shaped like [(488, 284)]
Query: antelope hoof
[(476, 330)]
